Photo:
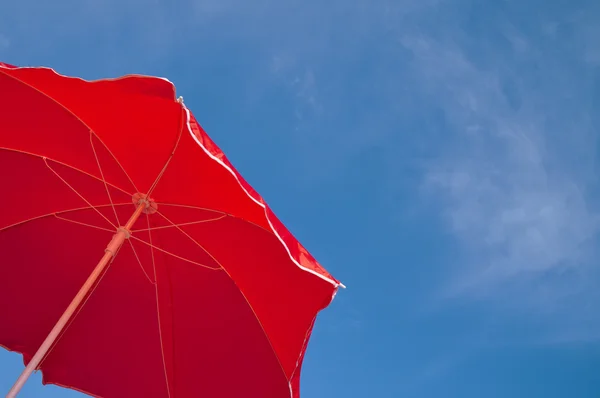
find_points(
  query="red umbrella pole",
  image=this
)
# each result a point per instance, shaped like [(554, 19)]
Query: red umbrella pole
[(111, 250)]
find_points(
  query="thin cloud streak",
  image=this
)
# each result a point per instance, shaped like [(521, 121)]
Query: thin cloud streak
[(505, 186)]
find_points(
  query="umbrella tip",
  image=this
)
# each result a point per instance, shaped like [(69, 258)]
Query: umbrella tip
[(342, 285), (180, 100)]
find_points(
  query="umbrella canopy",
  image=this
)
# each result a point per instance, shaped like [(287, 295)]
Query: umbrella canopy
[(136, 261)]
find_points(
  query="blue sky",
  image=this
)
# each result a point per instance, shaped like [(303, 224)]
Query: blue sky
[(437, 156)]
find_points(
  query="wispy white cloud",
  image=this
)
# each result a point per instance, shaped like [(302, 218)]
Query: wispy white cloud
[(301, 83), (516, 198)]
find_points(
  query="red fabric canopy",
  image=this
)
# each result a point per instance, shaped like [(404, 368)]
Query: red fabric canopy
[(211, 296)]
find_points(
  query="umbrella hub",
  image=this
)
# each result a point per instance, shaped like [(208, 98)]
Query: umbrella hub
[(150, 206)]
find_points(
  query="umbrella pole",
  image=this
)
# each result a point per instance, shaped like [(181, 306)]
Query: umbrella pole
[(112, 248)]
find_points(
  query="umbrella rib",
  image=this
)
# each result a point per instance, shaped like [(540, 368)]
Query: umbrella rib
[(217, 211), (162, 172), (78, 194), (103, 178), (160, 335), (240, 290), (304, 343), (84, 224), (180, 225), (174, 255), (58, 212), (64, 165), (139, 261), (61, 105)]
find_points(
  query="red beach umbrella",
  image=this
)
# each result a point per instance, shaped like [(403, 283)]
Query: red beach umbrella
[(136, 261)]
